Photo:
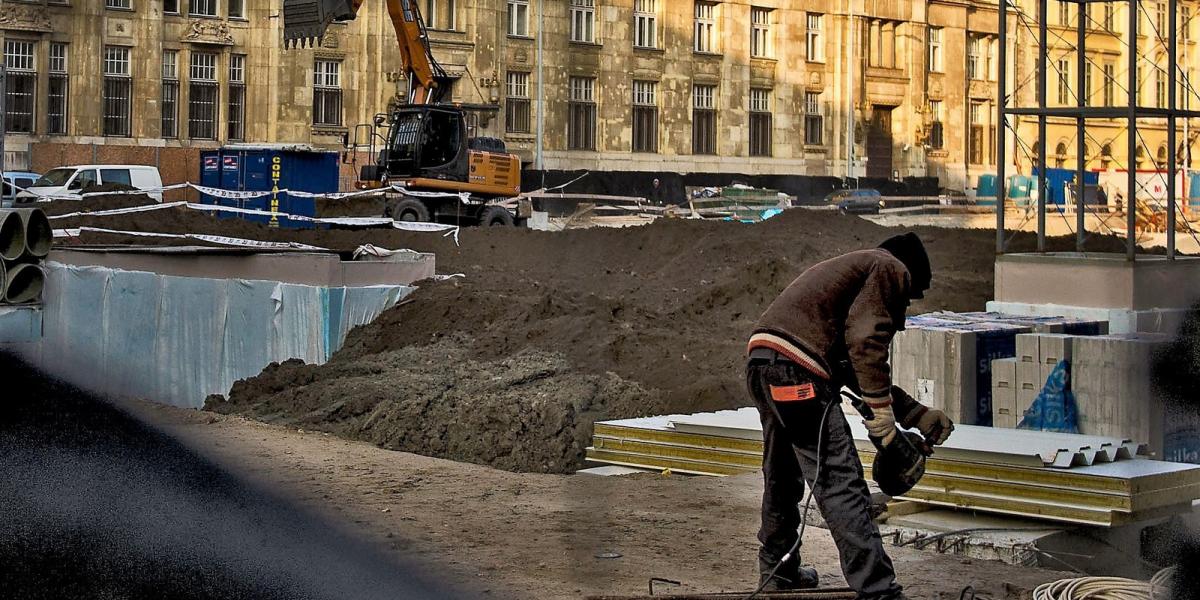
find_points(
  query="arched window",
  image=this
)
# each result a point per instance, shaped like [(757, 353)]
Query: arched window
[(1139, 156), (1060, 155), (1162, 156)]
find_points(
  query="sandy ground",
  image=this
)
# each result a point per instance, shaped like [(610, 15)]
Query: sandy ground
[(523, 535)]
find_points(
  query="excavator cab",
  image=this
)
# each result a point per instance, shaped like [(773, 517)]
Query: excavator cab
[(429, 142)]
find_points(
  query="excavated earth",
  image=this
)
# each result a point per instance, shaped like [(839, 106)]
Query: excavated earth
[(546, 333)]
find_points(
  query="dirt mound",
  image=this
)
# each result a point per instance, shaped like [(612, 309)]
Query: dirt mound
[(530, 411), (95, 203), (615, 323)]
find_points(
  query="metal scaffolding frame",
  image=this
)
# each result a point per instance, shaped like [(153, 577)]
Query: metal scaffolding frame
[(1131, 111)]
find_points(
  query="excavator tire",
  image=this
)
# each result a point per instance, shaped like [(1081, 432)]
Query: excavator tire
[(409, 209), (495, 216)]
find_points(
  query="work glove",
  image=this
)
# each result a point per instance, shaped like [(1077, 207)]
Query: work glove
[(882, 424), (933, 424)]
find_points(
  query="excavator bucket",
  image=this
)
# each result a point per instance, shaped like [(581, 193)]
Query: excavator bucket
[(305, 21)]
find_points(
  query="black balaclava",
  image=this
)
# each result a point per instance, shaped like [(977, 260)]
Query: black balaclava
[(909, 249)]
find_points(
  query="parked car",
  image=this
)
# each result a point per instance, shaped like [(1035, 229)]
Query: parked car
[(862, 201), (14, 182), (70, 182)]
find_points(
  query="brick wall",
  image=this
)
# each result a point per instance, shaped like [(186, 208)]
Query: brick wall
[(175, 165)]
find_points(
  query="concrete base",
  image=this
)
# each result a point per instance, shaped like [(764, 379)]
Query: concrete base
[(1107, 281)]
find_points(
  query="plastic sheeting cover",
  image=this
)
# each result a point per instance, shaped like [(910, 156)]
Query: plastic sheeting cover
[(177, 340)]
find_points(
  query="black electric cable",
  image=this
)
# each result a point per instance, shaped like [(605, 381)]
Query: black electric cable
[(807, 503)]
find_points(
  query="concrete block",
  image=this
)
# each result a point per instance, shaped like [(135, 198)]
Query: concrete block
[(1004, 393), (1028, 347), (1029, 376)]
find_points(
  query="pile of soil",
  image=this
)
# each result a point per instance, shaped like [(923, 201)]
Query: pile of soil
[(664, 309), (530, 411)]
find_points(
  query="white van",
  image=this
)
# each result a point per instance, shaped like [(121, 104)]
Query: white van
[(70, 182)]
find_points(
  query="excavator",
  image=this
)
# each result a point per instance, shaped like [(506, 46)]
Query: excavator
[(426, 147)]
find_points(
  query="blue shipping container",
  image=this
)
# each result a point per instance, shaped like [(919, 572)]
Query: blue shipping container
[(1058, 180), (263, 168)]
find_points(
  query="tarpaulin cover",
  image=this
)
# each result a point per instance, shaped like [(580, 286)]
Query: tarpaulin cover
[(177, 340), (1054, 409)]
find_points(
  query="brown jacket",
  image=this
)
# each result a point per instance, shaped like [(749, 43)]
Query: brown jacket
[(843, 312)]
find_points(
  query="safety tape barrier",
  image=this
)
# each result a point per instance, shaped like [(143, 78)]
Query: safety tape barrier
[(450, 230), (245, 195), (215, 239)]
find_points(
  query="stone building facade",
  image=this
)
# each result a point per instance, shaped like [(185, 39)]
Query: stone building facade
[(879, 88)]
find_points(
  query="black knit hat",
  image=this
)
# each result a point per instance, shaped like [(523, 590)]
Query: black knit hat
[(909, 249)]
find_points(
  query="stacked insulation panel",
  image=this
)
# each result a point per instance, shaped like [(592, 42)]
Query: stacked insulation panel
[(1057, 477)]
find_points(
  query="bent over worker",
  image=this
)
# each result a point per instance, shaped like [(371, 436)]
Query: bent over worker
[(832, 328)]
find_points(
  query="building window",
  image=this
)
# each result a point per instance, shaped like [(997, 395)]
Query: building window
[(1110, 82), (21, 86), (202, 96), (1160, 18), (1110, 16), (56, 105), (1087, 84), (583, 21), (518, 18), (237, 9), (974, 57), (937, 133), (581, 129), (882, 44), (645, 116), (1060, 155), (814, 40), (706, 27), (975, 143), (171, 6), (1064, 81), (327, 93), (760, 122), (118, 4), (117, 87), (1184, 25), (202, 8), (990, 57), (936, 64), (645, 23), (1160, 88), (170, 93), (760, 32), (704, 119), (1105, 156), (237, 97), (517, 106), (1064, 13), (440, 14), (814, 119)]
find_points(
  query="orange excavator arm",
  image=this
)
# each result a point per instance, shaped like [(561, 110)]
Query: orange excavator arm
[(305, 22)]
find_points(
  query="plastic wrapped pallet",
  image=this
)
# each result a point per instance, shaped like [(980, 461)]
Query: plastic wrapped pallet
[(178, 339), (1113, 391)]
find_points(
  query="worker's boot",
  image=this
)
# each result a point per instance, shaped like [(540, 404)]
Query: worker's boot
[(790, 576)]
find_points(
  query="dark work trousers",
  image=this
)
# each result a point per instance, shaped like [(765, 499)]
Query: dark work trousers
[(790, 458)]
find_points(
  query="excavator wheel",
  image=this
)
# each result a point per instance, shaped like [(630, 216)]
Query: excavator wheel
[(495, 216), (408, 209)]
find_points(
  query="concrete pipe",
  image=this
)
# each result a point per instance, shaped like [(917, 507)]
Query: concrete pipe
[(24, 283), (12, 235), (38, 233)]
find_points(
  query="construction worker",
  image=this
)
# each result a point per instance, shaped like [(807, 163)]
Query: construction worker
[(832, 327)]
